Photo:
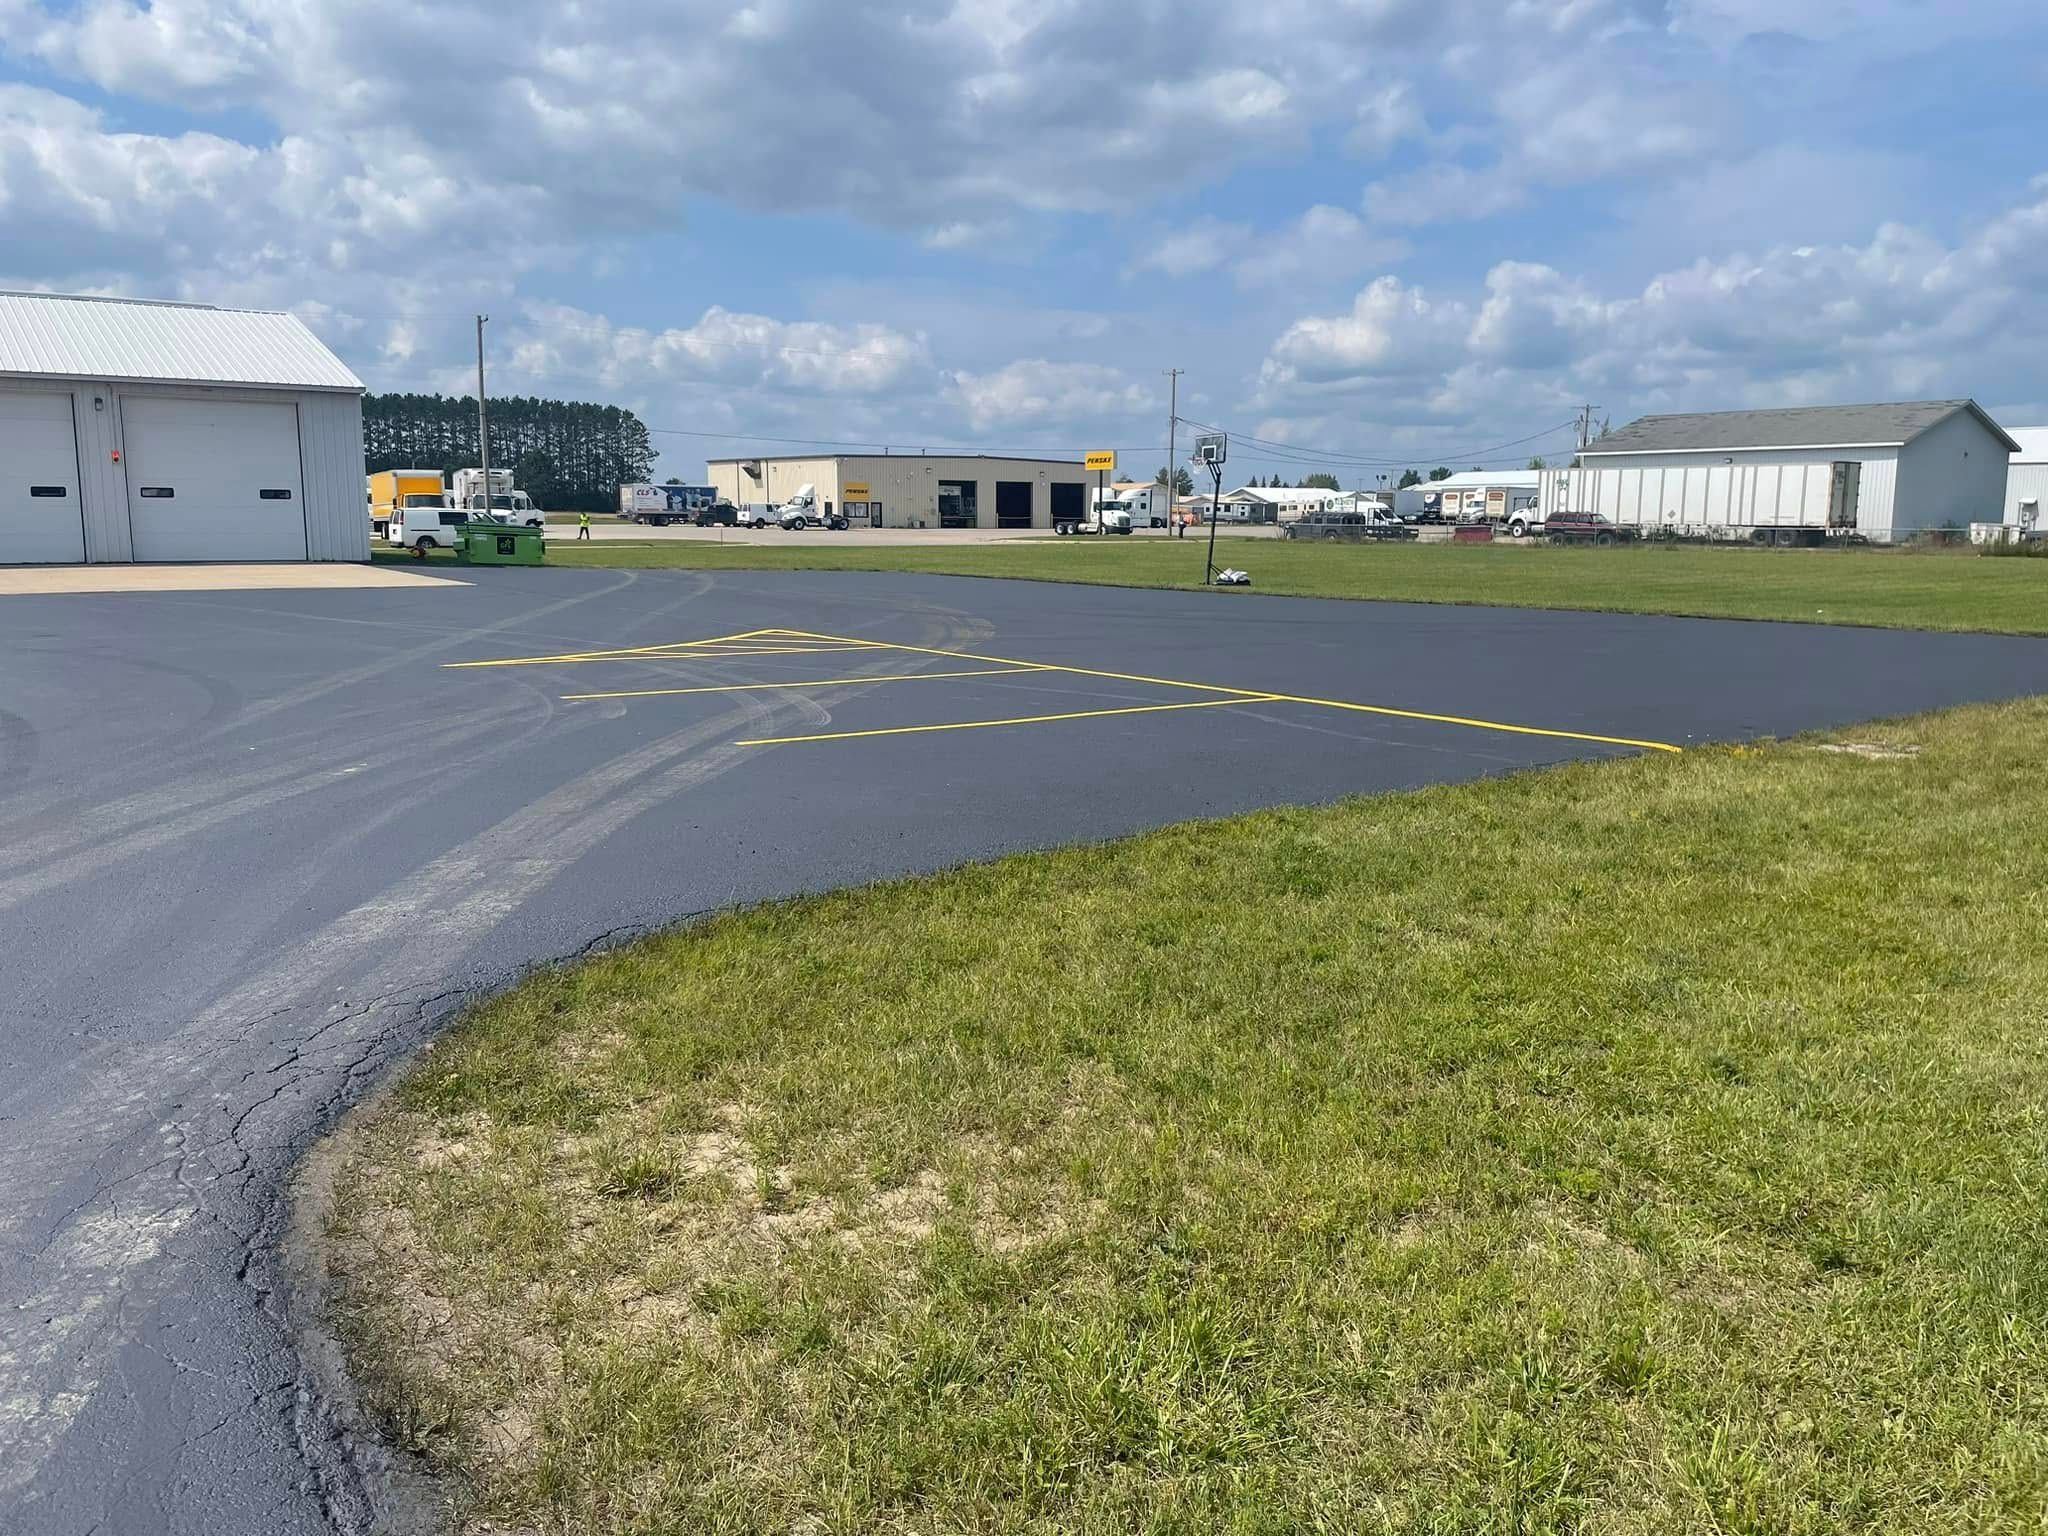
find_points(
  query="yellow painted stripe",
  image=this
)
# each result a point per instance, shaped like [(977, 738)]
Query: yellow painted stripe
[(640, 650), (763, 650), (1296, 698), (983, 725), (823, 682), (682, 651)]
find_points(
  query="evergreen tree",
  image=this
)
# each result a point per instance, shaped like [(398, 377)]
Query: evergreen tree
[(568, 455)]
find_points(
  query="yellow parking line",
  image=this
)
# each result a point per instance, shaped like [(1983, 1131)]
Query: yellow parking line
[(983, 725), (1295, 698), (638, 650), (823, 682)]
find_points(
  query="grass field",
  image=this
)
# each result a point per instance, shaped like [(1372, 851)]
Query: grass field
[(1956, 591), (1657, 1145)]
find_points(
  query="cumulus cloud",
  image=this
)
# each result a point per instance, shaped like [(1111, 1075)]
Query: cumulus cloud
[(1325, 243), (722, 349), (1902, 314), (1035, 391)]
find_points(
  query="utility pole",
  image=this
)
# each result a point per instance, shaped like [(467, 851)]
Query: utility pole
[(483, 416), (1172, 443), (1586, 426)]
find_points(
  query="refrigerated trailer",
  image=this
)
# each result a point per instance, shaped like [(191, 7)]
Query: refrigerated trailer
[(1759, 503)]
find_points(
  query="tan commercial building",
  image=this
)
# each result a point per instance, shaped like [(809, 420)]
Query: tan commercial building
[(915, 490)]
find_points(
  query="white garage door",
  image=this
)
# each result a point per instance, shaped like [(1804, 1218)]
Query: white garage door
[(40, 519), (213, 479)]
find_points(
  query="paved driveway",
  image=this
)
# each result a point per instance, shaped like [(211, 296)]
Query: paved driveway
[(254, 846)]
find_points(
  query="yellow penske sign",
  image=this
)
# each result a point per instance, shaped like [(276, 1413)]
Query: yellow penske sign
[(1100, 461)]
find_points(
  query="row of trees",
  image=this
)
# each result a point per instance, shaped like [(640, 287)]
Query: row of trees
[(567, 455)]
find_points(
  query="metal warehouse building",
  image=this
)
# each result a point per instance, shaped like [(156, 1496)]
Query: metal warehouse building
[(1794, 476), (916, 490), (133, 430), (2026, 484)]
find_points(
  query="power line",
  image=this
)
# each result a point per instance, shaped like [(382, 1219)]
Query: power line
[(1297, 453)]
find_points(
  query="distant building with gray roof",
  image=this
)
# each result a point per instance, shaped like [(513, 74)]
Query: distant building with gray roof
[(1801, 474)]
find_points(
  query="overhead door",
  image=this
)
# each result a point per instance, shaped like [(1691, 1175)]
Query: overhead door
[(1013, 503), (40, 520), (213, 479)]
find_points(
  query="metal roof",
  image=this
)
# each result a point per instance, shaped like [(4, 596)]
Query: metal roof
[(1811, 426), (50, 335), (905, 457), (1485, 479), (1285, 495), (2033, 443)]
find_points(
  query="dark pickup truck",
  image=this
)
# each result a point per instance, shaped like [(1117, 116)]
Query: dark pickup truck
[(1347, 525), (1586, 528)]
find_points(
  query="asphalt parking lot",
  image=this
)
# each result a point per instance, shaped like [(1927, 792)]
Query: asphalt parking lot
[(256, 845)]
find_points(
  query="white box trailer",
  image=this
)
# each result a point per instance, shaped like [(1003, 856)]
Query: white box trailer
[(1751, 503)]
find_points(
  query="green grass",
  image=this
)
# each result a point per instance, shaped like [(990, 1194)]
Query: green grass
[(1914, 590), (1657, 1145)]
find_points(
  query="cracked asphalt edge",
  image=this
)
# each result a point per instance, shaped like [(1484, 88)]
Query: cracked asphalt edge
[(368, 1486)]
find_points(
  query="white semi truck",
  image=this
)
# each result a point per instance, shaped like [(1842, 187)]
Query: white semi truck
[(466, 491), (1150, 506), (1108, 515), (802, 511)]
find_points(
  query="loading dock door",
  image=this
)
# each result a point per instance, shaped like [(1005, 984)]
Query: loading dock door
[(1066, 502), (40, 519), (1013, 503), (213, 479)]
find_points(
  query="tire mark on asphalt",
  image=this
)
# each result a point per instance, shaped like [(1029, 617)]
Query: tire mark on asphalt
[(20, 745), (161, 1178), (173, 813), (160, 803), (88, 1256)]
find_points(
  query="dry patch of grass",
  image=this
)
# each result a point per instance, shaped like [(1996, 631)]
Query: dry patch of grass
[(1656, 1145)]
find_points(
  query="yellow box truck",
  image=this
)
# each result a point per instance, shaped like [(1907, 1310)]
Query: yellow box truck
[(389, 488)]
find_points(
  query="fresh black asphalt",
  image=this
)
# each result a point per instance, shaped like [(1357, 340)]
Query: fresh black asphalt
[(254, 846)]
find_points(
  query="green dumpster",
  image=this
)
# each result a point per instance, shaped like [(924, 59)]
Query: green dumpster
[(502, 544)]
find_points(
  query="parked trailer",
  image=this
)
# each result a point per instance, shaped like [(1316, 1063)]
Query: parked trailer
[(1786, 504)]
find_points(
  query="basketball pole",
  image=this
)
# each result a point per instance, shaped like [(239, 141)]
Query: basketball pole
[(1215, 502)]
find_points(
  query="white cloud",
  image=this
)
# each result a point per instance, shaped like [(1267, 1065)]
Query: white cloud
[(1034, 391), (722, 349), (1901, 315), (1392, 331), (1326, 243), (1199, 247), (1385, 118)]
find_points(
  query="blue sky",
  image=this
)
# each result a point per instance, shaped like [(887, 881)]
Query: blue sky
[(1386, 231)]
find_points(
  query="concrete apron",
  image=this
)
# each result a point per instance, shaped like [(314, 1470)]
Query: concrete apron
[(43, 580)]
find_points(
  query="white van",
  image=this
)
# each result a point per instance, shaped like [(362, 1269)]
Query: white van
[(432, 524)]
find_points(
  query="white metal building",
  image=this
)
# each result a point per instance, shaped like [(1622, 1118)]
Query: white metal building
[(134, 430), (2026, 481), (1795, 476), (915, 490)]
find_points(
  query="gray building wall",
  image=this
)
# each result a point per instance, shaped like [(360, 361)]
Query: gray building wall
[(1951, 475), (330, 463)]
